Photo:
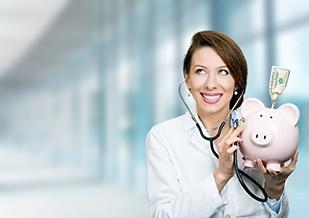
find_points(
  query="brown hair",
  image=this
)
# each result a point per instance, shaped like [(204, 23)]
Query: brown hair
[(229, 52)]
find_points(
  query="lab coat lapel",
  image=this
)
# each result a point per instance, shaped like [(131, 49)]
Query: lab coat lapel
[(202, 144), (196, 139), (198, 142)]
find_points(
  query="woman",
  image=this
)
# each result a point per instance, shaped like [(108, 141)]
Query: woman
[(184, 178)]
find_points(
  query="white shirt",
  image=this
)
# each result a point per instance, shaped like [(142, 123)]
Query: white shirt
[(180, 180)]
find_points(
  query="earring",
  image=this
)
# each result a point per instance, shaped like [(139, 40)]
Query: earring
[(235, 92)]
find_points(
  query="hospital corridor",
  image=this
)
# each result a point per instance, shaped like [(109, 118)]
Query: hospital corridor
[(83, 82)]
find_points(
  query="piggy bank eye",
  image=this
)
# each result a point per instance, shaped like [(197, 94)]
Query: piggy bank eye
[(271, 117), (261, 115)]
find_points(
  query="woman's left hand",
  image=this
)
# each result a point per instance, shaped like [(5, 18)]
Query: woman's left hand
[(275, 181)]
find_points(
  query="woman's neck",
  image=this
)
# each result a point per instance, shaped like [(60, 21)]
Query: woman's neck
[(212, 121)]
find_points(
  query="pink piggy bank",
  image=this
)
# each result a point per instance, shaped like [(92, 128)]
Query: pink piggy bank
[(270, 134)]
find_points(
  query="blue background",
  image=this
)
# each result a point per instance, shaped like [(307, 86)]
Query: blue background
[(76, 105)]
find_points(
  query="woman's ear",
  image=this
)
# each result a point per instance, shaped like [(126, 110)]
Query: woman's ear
[(185, 75), (187, 79)]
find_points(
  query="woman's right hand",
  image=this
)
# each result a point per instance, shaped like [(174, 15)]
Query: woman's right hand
[(225, 169)]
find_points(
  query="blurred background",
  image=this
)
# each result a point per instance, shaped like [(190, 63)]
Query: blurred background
[(82, 82)]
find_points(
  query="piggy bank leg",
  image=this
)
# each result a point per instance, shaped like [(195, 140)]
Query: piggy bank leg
[(249, 163), (274, 166)]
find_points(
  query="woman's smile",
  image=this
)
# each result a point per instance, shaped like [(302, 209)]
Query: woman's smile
[(211, 98)]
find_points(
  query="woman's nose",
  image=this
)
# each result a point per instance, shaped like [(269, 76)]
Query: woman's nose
[(211, 82)]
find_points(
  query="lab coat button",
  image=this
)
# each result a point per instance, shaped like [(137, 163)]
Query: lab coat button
[(227, 216)]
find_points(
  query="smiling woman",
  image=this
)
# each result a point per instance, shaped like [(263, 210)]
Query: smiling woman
[(215, 72)]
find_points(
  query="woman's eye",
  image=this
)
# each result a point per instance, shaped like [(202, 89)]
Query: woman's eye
[(200, 71), (223, 72)]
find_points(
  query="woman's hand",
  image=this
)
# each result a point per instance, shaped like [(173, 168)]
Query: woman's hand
[(225, 168), (275, 181)]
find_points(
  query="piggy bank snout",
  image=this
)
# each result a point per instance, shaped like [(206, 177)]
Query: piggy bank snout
[(261, 137)]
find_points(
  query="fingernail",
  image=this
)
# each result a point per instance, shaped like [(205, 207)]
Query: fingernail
[(242, 121)]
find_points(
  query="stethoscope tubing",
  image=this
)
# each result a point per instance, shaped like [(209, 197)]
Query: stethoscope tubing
[(238, 172)]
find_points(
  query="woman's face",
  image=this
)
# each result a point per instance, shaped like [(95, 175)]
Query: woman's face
[(210, 82)]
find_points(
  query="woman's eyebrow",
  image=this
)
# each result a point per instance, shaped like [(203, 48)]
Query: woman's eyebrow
[(199, 65)]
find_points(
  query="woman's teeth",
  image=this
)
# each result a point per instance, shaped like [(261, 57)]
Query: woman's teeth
[(211, 97)]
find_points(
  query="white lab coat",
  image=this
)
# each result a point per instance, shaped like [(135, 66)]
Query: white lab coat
[(180, 180)]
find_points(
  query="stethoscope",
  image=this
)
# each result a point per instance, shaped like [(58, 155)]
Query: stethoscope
[(238, 172)]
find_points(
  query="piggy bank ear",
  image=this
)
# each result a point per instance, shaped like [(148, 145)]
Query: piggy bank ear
[(291, 111), (251, 104)]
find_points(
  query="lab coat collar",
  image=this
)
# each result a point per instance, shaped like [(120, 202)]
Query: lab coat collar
[(188, 121), (199, 142), (196, 139), (189, 124)]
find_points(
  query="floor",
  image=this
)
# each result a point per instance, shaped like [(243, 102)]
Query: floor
[(31, 187)]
